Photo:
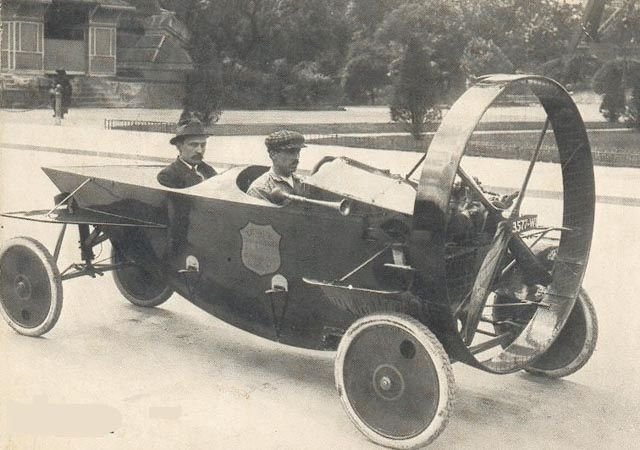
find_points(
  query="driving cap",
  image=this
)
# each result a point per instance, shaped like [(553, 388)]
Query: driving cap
[(284, 140), (192, 127)]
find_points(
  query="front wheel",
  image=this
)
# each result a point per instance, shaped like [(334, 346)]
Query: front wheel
[(30, 287), (141, 286), (394, 380)]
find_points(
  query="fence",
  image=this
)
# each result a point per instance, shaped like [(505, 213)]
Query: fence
[(261, 129), (140, 125)]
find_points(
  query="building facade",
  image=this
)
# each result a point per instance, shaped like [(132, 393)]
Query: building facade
[(100, 43)]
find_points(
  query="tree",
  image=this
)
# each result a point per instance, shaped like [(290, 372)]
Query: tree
[(481, 57), (203, 86), (415, 88), (528, 36), (366, 70), (436, 24), (255, 39), (625, 26), (366, 15)]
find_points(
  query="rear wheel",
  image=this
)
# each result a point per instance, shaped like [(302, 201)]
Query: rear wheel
[(30, 287), (141, 286), (575, 344), (394, 380)]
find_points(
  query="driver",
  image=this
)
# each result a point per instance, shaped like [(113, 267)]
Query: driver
[(284, 150), (188, 169)]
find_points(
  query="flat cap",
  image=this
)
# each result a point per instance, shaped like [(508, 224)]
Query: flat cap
[(191, 127), (284, 140)]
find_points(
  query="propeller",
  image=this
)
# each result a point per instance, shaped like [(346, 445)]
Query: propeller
[(503, 239)]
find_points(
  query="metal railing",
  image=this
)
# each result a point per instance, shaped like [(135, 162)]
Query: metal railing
[(140, 125)]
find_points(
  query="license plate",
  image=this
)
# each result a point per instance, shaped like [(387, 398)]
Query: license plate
[(524, 223)]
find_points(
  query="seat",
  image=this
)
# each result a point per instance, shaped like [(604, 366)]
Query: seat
[(246, 176)]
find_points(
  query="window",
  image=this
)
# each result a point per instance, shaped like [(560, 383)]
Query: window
[(102, 41), (5, 35), (29, 37), (22, 37)]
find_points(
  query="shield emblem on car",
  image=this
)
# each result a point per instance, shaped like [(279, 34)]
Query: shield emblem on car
[(260, 248)]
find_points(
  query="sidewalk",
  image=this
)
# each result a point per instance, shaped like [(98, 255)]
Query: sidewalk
[(613, 185)]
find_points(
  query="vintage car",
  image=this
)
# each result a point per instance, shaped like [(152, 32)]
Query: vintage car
[(401, 275)]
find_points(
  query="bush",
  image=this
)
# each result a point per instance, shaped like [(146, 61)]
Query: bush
[(248, 87), (307, 86), (608, 82), (632, 111), (416, 89)]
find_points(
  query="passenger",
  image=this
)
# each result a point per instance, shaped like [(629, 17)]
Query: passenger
[(284, 150), (188, 169)]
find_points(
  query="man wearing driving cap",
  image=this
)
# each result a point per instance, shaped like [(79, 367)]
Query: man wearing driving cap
[(188, 169), (284, 150)]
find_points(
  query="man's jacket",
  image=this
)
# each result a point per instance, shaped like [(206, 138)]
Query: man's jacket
[(180, 175)]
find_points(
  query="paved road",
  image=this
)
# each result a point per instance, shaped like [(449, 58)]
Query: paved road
[(177, 378)]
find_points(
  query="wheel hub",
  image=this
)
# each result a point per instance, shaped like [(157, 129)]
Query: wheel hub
[(22, 287), (388, 382)]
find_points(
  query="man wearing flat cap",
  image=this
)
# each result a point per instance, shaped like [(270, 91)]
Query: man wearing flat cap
[(284, 150), (188, 169)]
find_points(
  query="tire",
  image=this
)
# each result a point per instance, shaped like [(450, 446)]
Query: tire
[(30, 287), (394, 380), (138, 285), (575, 344)]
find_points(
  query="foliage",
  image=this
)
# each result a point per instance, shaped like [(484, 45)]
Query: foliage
[(574, 69), (307, 85), (257, 39), (203, 86), (366, 70), (626, 26), (528, 36), (278, 52), (436, 24), (608, 81), (415, 89), (632, 81), (203, 94), (481, 57), (366, 15)]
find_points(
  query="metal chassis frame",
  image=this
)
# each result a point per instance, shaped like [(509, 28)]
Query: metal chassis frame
[(88, 240)]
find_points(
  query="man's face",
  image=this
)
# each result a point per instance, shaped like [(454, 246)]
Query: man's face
[(285, 162), (192, 149)]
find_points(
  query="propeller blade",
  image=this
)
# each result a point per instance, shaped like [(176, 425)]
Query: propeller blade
[(530, 265), (486, 202), (484, 280)]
